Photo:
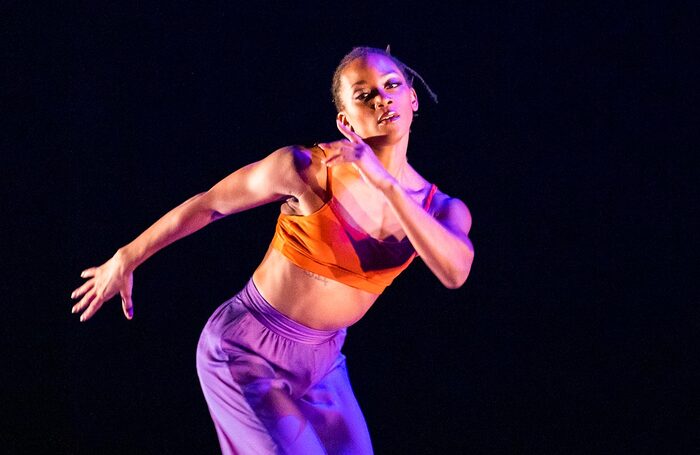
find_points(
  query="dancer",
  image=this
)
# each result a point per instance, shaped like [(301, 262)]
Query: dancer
[(354, 215)]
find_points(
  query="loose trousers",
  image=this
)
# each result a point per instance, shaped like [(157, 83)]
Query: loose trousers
[(274, 386)]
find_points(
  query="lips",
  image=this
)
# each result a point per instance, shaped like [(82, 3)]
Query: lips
[(388, 116)]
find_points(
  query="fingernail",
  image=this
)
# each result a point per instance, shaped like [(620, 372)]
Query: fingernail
[(82, 318), (72, 310), (82, 274), (72, 296)]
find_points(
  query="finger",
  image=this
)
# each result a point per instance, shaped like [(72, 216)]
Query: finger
[(330, 146), (91, 310), (343, 156), (326, 150), (88, 272), (347, 132), (354, 137), (333, 160), (127, 306), (84, 302), (82, 289), (331, 149)]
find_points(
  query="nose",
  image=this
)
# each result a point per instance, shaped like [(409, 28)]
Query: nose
[(381, 99)]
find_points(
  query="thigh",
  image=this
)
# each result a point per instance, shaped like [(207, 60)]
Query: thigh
[(249, 396), (269, 396), (238, 428), (331, 407)]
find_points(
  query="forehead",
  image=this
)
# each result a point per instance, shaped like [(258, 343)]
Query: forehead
[(372, 65)]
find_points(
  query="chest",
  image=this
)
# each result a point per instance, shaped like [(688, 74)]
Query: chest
[(359, 205), (366, 210)]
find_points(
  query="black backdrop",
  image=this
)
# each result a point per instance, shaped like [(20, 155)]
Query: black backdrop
[(558, 126)]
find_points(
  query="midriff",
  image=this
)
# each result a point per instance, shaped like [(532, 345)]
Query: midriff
[(312, 300)]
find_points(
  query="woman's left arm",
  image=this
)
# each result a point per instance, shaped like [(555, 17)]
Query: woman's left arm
[(441, 241)]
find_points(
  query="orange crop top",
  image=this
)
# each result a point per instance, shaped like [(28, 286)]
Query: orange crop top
[(325, 244)]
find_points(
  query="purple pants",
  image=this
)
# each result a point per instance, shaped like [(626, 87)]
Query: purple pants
[(276, 386)]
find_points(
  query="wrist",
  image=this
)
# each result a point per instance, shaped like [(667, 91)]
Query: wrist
[(126, 261), (389, 186)]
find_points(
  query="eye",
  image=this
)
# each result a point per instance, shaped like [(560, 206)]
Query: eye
[(392, 84), (362, 96)]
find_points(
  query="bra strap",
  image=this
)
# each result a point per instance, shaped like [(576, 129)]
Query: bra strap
[(429, 199)]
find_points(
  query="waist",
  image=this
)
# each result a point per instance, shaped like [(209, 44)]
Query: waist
[(311, 300), (278, 322)]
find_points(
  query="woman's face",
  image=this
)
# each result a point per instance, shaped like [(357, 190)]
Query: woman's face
[(378, 102)]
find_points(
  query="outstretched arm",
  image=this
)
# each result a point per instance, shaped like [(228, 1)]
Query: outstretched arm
[(441, 241), (261, 182)]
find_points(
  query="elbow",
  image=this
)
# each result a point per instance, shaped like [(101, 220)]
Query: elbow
[(456, 278), (214, 215), (453, 284), (456, 281), (206, 206)]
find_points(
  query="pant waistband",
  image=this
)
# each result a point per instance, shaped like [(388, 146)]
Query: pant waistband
[(279, 323)]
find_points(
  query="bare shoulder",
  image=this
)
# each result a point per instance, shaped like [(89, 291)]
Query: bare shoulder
[(290, 157), (301, 161), (443, 202), (451, 211), (442, 205)]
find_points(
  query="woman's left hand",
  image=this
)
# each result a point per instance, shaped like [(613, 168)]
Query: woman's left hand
[(355, 151)]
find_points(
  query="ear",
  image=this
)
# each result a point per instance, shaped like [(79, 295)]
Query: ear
[(342, 118), (414, 100)]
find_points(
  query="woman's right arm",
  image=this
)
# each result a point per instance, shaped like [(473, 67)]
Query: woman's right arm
[(268, 180)]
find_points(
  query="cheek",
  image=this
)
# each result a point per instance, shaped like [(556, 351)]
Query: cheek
[(359, 114)]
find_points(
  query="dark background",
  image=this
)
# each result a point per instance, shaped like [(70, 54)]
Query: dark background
[(560, 127)]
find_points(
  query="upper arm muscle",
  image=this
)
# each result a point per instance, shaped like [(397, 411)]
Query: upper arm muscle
[(270, 179), (455, 216)]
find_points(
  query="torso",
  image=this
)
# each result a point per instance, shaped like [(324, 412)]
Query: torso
[(311, 299)]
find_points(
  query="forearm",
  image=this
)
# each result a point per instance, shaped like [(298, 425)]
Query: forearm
[(188, 217), (447, 253)]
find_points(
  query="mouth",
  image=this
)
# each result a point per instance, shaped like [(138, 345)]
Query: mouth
[(388, 117)]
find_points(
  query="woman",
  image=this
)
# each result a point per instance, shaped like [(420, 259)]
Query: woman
[(355, 213)]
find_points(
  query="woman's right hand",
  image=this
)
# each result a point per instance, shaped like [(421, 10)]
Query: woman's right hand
[(103, 283)]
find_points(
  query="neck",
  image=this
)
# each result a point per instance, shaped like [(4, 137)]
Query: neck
[(392, 156)]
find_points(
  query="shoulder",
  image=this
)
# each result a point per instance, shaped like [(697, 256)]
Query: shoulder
[(290, 155), (301, 165), (294, 160), (451, 210), (441, 203), (298, 158)]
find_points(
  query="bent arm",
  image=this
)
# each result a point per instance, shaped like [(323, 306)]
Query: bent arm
[(442, 242)]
